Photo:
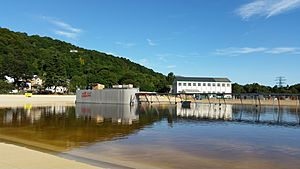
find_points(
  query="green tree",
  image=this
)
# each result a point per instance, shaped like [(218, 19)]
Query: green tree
[(5, 87), (170, 78), (236, 88)]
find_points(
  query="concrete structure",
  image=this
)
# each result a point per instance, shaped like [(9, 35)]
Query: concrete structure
[(107, 96), (201, 85)]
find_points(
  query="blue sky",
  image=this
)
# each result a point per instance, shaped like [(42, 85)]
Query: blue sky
[(245, 40)]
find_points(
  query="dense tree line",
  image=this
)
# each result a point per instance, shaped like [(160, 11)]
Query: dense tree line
[(22, 56), (257, 88)]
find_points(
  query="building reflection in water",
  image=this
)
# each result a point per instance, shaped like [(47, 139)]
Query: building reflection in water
[(28, 114), (206, 111), (286, 116), (59, 128), (122, 114)]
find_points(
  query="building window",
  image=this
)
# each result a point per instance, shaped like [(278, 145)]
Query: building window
[(223, 85), (213, 84), (194, 84), (184, 84), (199, 84), (204, 84), (218, 84), (179, 84), (208, 84), (228, 85), (189, 84)]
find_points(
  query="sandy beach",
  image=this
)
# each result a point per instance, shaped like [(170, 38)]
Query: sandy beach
[(15, 157), (36, 100)]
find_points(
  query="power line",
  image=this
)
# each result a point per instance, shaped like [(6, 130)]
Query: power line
[(280, 81)]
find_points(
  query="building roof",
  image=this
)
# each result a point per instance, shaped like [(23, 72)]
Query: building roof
[(201, 79)]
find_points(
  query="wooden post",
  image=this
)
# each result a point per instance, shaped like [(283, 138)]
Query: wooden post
[(157, 98), (208, 99), (255, 97), (241, 99), (175, 99), (147, 99), (169, 99), (224, 99)]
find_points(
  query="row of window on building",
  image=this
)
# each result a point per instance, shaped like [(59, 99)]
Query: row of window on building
[(204, 84)]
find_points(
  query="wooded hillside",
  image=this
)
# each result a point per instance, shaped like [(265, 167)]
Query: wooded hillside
[(62, 64)]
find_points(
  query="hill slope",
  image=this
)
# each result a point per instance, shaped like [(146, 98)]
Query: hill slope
[(22, 56)]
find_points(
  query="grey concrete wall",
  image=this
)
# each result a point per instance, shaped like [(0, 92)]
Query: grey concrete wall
[(107, 96)]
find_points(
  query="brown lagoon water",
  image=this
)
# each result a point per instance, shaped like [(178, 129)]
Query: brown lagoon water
[(203, 136)]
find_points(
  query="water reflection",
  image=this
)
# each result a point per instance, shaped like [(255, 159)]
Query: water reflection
[(60, 128), (270, 115), (205, 136), (123, 114), (206, 111)]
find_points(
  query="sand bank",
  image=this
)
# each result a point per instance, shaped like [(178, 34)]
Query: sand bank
[(36, 100), (15, 157)]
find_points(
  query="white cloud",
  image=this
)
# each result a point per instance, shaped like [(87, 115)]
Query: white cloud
[(150, 42), (63, 28), (283, 50), (66, 34), (266, 8), (171, 66), (126, 45), (233, 51)]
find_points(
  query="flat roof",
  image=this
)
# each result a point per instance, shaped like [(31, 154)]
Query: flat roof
[(201, 79)]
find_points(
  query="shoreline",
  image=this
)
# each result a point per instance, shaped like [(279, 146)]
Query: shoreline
[(7, 101), (15, 157), (36, 100)]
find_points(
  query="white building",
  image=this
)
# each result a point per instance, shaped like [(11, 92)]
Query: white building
[(57, 89), (201, 85)]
